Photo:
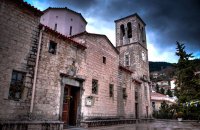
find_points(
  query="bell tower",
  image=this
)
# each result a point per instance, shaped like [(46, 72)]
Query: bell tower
[(131, 43), (130, 29), (133, 54)]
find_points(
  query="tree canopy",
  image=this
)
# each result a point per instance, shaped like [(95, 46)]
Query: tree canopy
[(187, 84)]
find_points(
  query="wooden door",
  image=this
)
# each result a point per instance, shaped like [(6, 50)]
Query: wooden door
[(75, 92), (66, 104), (147, 111)]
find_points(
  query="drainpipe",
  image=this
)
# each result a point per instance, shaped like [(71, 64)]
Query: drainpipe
[(36, 70)]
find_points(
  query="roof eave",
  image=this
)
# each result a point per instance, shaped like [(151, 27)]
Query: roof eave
[(36, 11), (132, 15), (67, 9), (47, 29)]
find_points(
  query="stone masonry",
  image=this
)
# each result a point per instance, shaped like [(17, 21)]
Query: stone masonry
[(98, 46), (48, 88), (18, 47), (136, 48), (121, 73), (126, 105)]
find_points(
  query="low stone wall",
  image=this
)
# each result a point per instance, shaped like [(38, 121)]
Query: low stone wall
[(31, 125), (95, 123), (114, 121)]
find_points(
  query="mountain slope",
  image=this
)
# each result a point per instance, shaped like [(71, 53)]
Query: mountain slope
[(158, 66)]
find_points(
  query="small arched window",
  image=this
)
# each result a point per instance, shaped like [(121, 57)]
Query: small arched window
[(129, 30), (122, 31), (55, 27), (143, 56), (126, 59), (143, 35)]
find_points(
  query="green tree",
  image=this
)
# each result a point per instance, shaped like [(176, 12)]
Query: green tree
[(157, 88), (169, 93), (187, 87), (165, 111), (162, 91), (176, 92)]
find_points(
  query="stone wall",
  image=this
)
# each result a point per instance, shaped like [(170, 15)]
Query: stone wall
[(48, 87), (18, 47), (137, 25), (31, 125), (126, 105), (102, 106), (137, 49), (137, 64), (140, 68)]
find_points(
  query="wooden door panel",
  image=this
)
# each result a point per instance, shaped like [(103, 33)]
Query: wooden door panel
[(66, 104), (65, 117), (70, 105)]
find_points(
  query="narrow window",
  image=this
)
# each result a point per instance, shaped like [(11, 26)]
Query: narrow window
[(16, 85), (104, 59), (122, 31), (143, 56), (111, 93), (153, 105), (52, 47), (55, 27), (70, 31), (124, 93), (129, 31), (94, 86), (143, 35), (145, 91), (126, 59), (136, 95)]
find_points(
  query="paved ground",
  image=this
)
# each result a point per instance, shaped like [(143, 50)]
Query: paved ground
[(157, 125)]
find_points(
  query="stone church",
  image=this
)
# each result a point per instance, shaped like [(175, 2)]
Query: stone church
[(55, 72)]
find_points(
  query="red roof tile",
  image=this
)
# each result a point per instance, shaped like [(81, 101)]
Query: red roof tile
[(101, 35), (61, 36), (157, 94), (21, 3)]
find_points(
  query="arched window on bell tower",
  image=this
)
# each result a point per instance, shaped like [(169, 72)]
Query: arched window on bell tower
[(129, 30), (139, 32), (143, 34), (122, 32)]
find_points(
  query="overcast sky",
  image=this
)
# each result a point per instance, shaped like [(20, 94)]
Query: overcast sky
[(167, 21)]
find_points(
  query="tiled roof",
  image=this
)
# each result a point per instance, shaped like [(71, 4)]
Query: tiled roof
[(61, 36), (101, 35), (157, 94), (161, 97), (79, 34), (67, 9), (21, 4)]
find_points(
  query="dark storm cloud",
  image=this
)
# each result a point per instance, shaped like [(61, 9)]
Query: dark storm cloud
[(77, 4), (169, 20), (174, 21)]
